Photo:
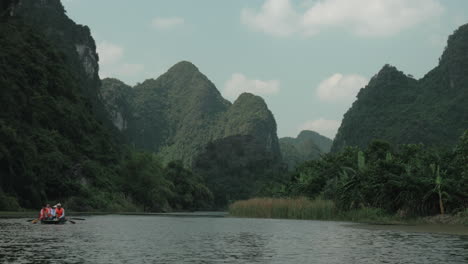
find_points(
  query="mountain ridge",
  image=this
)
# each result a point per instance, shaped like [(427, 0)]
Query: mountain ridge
[(402, 110)]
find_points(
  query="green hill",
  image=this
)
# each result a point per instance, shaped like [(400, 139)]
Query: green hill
[(179, 113), (308, 145), (51, 143), (57, 140), (400, 109), (182, 116)]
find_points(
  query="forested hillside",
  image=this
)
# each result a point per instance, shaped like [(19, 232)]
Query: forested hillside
[(179, 113), (63, 137), (56, 141), (48, 132), (308, 145), (182, 116), (398, 108)]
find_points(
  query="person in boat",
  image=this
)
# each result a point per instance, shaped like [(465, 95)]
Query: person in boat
[(43, 214), (48, 214), (53, 210), (60, 212)]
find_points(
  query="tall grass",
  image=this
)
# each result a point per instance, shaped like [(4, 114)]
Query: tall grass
[(303, 208), (300, 208)]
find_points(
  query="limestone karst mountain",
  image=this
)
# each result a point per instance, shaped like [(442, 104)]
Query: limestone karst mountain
[(308, 145), (400, 109)]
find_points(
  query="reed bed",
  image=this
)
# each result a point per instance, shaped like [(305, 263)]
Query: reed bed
[(300, 208), (304, 208)]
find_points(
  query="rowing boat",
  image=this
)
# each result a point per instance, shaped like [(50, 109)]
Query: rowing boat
[(54, 221)]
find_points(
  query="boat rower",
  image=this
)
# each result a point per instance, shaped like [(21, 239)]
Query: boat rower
[(60, 212)]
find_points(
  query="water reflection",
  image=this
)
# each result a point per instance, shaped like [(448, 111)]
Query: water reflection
[(134, 239)]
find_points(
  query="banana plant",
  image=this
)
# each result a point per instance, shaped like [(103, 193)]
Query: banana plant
[(435, 169)]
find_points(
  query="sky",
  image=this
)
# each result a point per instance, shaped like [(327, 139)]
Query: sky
[(307, 58)]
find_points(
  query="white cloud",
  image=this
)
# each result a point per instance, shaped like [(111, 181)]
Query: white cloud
[(129, 69), (165, 23), (360, 17), (110, 61), (339, 87), (322, 126), (239, 84), (277, 17), (109, 53)]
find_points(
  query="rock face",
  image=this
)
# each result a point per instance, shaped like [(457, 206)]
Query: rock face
[(73, 40), (397, 108), (117, 97), (308, 145)]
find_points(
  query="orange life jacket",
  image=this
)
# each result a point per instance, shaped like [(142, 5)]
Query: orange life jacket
[(43, 213), (59, 212), (49, 212)]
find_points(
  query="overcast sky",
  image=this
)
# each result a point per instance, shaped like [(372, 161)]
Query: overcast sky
[(306, 58)]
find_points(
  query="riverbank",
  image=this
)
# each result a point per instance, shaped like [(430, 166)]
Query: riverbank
[(32, 214), (303, 208), (451, 229)]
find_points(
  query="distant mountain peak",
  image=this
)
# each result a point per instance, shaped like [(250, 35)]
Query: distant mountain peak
[(389, 70), (307, 133), (251, 99), (308, 145), (457, 46), (183, 66), (402, 110)]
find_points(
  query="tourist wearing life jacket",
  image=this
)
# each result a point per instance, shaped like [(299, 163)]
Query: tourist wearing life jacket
[(52, 212), (48, 212), (60, 212), (43, 213)]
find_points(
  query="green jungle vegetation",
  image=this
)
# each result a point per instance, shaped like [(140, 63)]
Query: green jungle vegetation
[(54, 148), (238, 167), (308, 145), (173, 143), (379, 182), (182, 116), (402, 110)]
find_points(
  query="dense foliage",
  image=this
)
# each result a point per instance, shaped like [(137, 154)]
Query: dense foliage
[(182, 116), (160, 188), (237, 167), (53, 148), (308, 145), (402, 110), (46, 127), (407, 180)]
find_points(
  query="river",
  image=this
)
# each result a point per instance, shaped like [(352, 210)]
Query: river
[(158, 239)]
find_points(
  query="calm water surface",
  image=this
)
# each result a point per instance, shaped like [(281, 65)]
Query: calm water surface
[(153, 239)]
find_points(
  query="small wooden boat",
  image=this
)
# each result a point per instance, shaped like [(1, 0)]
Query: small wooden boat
[(54, 221)]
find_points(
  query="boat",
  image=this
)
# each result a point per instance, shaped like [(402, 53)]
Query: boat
[(54, 221)]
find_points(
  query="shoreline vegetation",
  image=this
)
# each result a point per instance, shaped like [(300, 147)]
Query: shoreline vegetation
[(33, 214), (305, 209)]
